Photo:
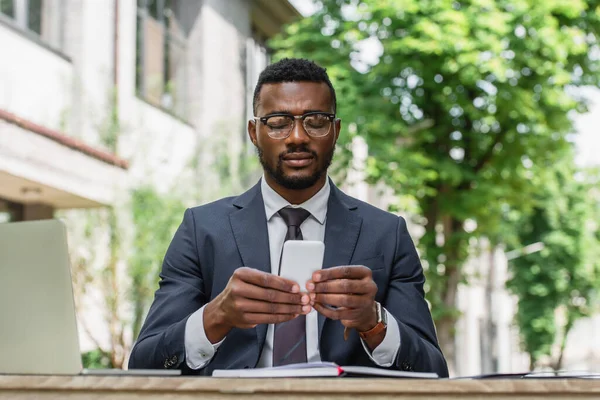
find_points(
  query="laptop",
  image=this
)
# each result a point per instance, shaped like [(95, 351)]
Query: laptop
[(38, 325)]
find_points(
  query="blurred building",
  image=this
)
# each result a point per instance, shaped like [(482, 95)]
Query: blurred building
[(101, 96), (97, 95)]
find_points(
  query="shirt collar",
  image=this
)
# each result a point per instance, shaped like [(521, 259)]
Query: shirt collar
[(316, 205)]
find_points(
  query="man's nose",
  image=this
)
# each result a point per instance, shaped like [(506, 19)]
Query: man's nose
[(298, 134)]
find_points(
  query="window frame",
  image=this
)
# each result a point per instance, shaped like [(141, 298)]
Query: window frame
[(20, 24), (142, 15)]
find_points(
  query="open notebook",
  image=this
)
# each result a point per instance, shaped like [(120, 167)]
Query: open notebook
[(322, 369)]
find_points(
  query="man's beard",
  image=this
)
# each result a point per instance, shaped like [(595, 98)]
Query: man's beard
[(292, 182)]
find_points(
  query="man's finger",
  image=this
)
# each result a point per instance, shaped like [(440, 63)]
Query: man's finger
[(343, 286), (259, 318), (250, 291), (343, 272), (265, 280), (341, 300), (262, 307), (340, 313)]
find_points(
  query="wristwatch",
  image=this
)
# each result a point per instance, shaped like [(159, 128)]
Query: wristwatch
[(381, 323)]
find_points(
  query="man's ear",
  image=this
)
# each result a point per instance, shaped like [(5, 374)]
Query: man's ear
[(252, 130)]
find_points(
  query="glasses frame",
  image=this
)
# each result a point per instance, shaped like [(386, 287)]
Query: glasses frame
[(331, 117)]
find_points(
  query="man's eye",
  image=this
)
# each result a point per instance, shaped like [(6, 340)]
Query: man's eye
[(317, 121), (278, 122)]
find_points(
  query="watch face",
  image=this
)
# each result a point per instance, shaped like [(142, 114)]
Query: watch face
[(382, 314)]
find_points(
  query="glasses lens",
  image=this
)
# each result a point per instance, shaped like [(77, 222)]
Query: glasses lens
[(317, 124), (279, 125)]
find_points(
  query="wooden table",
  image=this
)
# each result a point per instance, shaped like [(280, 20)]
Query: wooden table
[(18, 387)]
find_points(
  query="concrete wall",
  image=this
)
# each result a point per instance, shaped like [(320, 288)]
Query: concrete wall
[(222, 118), (40, 94), (486, 337), (584, 357), (89, 32), (67, 178)]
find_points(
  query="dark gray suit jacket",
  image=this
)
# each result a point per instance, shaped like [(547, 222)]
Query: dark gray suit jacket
[(215, 239)]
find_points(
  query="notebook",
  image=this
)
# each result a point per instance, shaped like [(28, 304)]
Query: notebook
[(318, 370)]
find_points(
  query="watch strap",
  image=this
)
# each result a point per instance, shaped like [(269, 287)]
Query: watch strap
[(377, 329)]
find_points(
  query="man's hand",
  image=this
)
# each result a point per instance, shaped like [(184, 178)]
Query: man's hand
[(351, 289), (253, 297)]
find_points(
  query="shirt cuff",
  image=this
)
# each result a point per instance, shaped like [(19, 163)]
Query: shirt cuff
[(198, 349), (385, 354)]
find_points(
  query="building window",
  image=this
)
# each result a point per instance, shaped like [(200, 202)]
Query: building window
[(7, 8), (39, 18), (160, 55)]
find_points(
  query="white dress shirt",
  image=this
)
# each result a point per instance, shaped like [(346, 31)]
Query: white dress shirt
[(199, 350)]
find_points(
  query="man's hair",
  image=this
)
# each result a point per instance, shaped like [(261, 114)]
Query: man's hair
[(293, 70)]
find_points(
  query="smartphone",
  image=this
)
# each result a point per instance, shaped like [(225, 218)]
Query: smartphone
[(300, 258)]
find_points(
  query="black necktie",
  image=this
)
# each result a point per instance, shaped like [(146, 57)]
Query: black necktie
[(289, 343)]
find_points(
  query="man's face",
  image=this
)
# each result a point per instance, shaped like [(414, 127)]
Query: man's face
[(298, 161)]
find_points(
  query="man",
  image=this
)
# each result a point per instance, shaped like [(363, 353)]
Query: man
[(221, 305)]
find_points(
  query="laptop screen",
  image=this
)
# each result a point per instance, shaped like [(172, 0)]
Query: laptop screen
[(38, 333)]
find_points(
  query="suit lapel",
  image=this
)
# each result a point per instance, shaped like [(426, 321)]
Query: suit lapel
[(249, 226), (342, 228)]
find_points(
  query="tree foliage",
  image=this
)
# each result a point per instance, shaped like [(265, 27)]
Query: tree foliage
[(155, 218), (564, 278), (96, 359), (465, 99), (116, 254), (95, 244)]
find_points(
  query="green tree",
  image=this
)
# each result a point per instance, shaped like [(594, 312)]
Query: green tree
[(96, 359), (565, 276), (117, 251), (95, 243), (155, 217), (464, 100)]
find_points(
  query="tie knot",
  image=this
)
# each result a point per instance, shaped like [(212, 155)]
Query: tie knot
[(294, 216)]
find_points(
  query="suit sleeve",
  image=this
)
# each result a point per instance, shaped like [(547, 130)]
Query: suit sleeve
[(419, 349), (161, 343)]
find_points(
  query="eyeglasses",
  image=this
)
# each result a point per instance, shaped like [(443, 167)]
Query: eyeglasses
[(315, 123)]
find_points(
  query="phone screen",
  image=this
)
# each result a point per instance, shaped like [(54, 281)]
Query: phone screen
[(300, 258)]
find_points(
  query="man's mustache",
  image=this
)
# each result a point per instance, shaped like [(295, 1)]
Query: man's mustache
[(298, 149)]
